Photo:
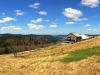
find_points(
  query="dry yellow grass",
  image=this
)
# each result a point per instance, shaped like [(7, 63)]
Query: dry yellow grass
[(63, 48), (39, 62)]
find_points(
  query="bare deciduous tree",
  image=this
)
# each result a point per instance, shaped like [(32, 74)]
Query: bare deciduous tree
[(14, 50)]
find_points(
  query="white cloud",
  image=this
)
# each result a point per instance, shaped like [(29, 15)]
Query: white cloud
[(99, 26), (90, 3), (38, 20), (3, 13), (35, 5), (34, 26), (94, 30), (53, 25), (89, 29), (70, 23), (72, 13), (2, 21), (42, 13), (87, 25), (13, 27), (7, 19), (47, 20), (19, 12), (17, 28)]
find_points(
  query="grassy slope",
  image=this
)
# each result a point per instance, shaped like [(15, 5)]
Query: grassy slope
[(81, 54), (39, 62)]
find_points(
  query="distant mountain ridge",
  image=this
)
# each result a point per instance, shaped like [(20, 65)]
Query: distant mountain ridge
[(8, 34), (61, 37)]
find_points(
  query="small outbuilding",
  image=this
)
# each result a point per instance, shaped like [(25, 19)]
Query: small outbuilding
[(73, 37)]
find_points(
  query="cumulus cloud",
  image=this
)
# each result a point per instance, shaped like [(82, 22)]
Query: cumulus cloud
[(53, 26), (72, 13), (70, 22), (42, 13), (12, 27), (87, 25), (2, 21), (7, 19), (34, 26), (38, 20), (90, 3), (19, 12), (35, 5)]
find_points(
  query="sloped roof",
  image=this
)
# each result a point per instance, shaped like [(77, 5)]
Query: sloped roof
[(76, 34), (84, 36), (80, 35)]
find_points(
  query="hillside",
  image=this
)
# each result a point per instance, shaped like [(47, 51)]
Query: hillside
[(24, 42), (82, 58)]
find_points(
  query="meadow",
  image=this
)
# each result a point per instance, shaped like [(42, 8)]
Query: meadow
[(81, 58)]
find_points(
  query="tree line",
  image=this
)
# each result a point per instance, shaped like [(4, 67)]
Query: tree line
[(18, 43)]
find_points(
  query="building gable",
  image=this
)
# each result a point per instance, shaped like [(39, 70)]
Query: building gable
[(74, 37)]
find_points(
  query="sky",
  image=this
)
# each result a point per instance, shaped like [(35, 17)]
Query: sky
[(49, 16)]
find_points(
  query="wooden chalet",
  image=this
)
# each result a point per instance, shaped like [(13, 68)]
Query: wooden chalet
[(73, 37)]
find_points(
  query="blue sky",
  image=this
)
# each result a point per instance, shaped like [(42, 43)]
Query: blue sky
[(49, 16)]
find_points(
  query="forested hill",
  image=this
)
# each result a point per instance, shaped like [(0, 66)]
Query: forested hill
[(24, 42)]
